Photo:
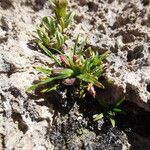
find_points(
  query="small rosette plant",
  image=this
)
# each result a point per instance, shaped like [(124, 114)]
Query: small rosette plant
[(51, 33), (110, 111), (76, 70)]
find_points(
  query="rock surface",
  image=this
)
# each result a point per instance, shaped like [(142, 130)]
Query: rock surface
[(123, 27), (23, 123), (119, 26)]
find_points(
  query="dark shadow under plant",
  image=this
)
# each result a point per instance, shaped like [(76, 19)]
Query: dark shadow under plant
[(110, 111)]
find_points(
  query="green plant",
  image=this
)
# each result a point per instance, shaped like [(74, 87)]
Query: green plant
[(75, 70), (63, 17), (52, 30), (110, 110)]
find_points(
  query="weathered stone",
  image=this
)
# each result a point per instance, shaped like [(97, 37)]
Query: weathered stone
[(25, 120)]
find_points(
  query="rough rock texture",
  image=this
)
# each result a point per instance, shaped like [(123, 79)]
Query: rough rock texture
[(117, 25), (123, 27), (24, 124), (73, 128)]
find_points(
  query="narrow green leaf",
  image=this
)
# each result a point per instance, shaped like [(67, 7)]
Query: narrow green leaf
[(104, 55), (33, 87), (50, 24), (62, 23), (56, 50), (63, 71), (119, 102), (44, 70), (54, 88), (68, 72), (113, 122), (75, 46), (117, 110), (90, 79), (92, 54), (43, 36), (69, 18), (86, 66), (50, 54), (111, 116), (39, 33), (98, 71), (48, 80), (98, 117), (60, 39)]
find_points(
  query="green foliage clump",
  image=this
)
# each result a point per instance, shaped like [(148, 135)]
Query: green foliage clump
[(63, 17), (51, 33), (76, 70), (110, 110)]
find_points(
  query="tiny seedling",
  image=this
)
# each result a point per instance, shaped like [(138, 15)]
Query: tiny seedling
[(110, 111), (51, 33), (74, 70)]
